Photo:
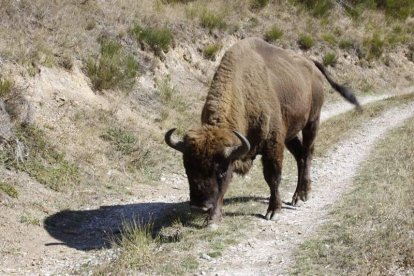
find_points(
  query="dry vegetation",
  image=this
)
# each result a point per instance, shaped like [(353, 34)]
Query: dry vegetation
[(370, 231), (105, 79), (175, 245)]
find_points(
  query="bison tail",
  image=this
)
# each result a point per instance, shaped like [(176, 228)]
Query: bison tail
[(343, 90)]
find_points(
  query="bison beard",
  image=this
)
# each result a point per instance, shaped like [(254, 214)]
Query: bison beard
[(261, 99)]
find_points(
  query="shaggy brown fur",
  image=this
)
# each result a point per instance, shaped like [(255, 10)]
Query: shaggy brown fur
[(269, 95)]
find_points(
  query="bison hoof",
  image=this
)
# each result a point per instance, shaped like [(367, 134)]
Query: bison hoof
[(271, 215), (299, 198)]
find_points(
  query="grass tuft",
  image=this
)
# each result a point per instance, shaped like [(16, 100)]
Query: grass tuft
[(6, 86), (329, 59), (9, 189), (212, 21), (374, 46), (113, 68), (34, 155), (211, 50), (158, 39), (273, 34), (305, 42)]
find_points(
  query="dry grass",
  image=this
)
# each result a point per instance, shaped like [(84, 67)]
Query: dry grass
[(336, 129), (370, 230)]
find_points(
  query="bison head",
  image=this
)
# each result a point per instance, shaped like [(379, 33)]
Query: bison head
[(209, 153)]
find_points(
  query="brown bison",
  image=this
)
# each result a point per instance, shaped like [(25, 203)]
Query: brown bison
[(260, 99)]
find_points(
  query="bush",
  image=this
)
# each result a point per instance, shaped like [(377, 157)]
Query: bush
[(211, 50), (211, 21), (112, 68), (329, 59), (158, 39), (273, 34), (305, 42)]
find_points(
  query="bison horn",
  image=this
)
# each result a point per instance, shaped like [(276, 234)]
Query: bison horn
[(177, 145), (233, 153)]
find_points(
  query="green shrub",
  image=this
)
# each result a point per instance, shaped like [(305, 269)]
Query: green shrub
[(258, 4), (273, 34), (158, 39), (211, 50), (305, 42), (329, 59), (211, 21), (6, 86), (374, 46), (113, 68)]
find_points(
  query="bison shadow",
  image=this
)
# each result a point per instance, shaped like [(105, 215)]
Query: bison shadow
[(99, 228)]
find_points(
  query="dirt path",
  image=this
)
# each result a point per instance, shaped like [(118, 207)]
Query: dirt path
[(270, 248)]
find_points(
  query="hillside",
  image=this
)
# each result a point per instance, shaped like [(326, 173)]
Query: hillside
[(88, 88)]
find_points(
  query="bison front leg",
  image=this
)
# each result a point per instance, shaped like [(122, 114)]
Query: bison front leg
[(272, 171)]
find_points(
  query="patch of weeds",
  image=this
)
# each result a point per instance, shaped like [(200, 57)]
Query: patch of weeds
[(305, 42), (158, 39), (374, 46), (211, 21), (9, 189), (329, 59), (35, 156), (113, 68), (169, 96), (6, 86), (123, 141), (29, 219), (258, 4), (210, 51), (273, 34), (330, 39), (135, 152)]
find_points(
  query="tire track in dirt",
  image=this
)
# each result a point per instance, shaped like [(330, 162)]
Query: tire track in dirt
[(270, 248)]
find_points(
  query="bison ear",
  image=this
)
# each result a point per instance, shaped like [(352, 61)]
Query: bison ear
[(233, 153), (177, 145)]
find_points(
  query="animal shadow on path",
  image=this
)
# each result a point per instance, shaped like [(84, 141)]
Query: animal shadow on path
[(100, 228)]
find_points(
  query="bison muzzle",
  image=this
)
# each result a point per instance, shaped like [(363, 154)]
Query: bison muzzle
[(261, 99)]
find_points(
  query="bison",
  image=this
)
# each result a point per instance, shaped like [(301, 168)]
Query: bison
[(260, 99)]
